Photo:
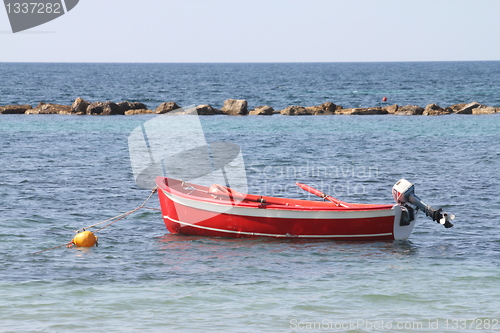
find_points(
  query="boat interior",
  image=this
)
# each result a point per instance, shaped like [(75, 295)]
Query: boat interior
[(225, 195)]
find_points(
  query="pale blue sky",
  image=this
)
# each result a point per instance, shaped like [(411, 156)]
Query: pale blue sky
[(261, 31)]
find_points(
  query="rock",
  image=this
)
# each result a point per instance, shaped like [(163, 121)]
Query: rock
[(167, 107), (104, 109), (326, 108), (485, 110), (138, 106), (203, 110), (362, 111), (14, 109), (329, 106), (391, 109), (409, 110), (457, 107), (435, 110), (345, 111), (467, 109), (48, 108), (371, 111), (138, 111), (125, 106), (319, 112), (79, 106), (95, 108), (262, 111), (294, 110), (235, 107)]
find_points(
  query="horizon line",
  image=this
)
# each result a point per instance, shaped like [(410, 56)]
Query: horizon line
[(236, 62)]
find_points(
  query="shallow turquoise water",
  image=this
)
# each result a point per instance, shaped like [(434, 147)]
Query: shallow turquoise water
[(61, 173)]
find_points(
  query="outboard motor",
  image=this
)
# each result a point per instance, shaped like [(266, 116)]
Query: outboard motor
[(404, 194)]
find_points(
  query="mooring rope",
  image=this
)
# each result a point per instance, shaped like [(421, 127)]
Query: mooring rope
[(121, 216), (158, 209), (52, 248), (113, 220)]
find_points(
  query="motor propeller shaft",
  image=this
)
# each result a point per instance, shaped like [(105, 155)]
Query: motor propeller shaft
[(435, 214)]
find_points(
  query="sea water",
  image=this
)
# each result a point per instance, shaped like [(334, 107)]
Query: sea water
[(60, 173)]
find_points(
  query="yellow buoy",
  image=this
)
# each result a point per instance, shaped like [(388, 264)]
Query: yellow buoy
[(85, 239)]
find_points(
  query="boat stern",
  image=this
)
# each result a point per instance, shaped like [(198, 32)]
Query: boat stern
[(404, 222)]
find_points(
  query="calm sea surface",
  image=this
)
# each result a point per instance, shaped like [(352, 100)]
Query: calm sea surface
[(61, 173), (277, 85)]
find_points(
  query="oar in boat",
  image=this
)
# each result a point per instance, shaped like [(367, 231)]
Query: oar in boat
[(320, 194)]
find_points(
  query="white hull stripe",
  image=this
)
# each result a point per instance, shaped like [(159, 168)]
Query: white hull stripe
[(272, 235), (278, 213)]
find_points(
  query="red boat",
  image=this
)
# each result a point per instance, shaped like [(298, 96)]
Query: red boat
[(220, 211)]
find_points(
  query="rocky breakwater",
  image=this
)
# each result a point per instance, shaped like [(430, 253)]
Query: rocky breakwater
[(79, 107), (406, 110), (235, 107), (327, 108), (110, 108)]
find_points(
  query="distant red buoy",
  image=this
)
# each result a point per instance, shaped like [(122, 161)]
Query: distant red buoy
[(384, 99)]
